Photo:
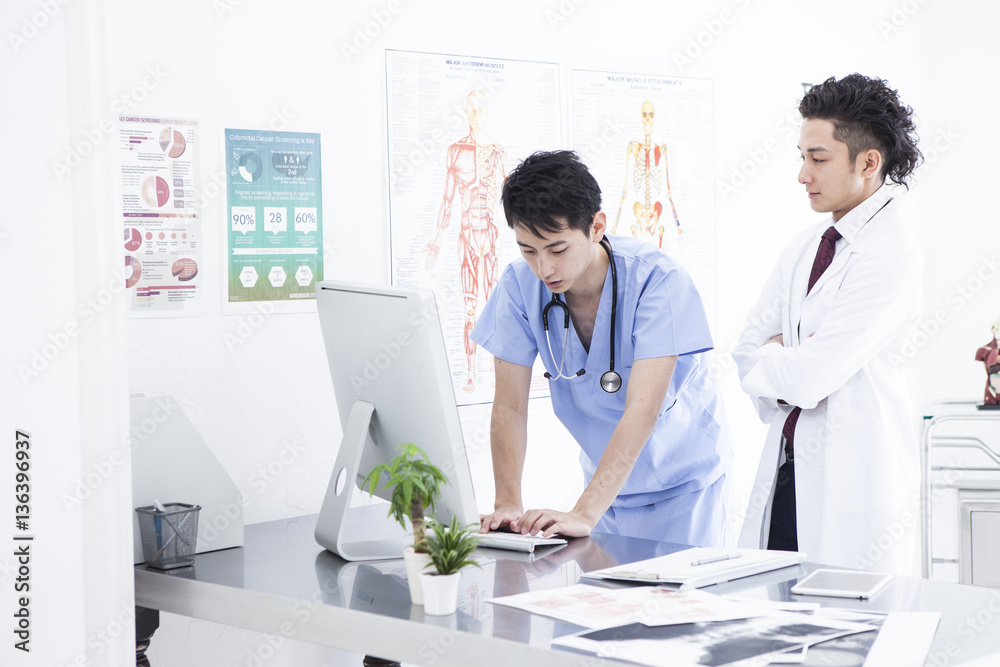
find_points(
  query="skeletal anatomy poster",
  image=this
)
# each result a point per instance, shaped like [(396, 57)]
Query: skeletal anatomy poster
[(275, 219), (161, 221), (648, 140), (456, 126)]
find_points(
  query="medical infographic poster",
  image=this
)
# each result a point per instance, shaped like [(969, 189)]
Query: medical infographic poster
[(274, 219), (456, 126), (161, 221), (648, 140)]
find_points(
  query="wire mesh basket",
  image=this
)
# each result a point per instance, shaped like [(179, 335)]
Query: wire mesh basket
[(169, 534)]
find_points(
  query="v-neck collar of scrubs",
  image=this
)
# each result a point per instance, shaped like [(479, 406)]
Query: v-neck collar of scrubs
[(597, 360), (594, 362)]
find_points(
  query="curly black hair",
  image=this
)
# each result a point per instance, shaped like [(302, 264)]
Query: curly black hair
[(866, 113), (547, 186)]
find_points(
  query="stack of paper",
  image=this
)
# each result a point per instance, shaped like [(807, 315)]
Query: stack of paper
[(665, 627)]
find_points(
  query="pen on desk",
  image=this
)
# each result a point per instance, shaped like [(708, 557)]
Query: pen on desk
[(714, 559), (159, 509), (627, 574)]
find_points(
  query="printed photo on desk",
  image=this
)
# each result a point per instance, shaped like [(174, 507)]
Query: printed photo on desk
[(712, 644)]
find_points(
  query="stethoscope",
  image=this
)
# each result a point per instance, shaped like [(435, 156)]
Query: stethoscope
[(610, 381)]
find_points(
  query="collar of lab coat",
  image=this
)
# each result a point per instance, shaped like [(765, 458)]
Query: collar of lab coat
[(854, 226), (855, 221)]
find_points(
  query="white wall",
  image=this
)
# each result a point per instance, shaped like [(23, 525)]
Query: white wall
[(243, 63)]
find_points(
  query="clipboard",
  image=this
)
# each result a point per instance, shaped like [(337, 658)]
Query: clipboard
[(700, 566)]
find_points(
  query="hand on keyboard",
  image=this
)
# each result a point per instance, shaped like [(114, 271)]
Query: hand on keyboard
[(550, 522), (501, 519)]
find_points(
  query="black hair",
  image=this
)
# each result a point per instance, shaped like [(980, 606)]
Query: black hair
[(866, 113), (550, 185)]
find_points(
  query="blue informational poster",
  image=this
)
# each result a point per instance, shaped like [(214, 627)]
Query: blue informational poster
[(274, 216)]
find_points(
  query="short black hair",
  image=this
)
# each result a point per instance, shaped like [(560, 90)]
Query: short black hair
[(866, 113), (550, 185)]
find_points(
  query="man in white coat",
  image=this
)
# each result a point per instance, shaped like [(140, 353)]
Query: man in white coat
[(839, 474)]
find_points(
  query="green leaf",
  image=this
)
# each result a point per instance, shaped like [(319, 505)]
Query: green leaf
[(449, 547), (415, 482)]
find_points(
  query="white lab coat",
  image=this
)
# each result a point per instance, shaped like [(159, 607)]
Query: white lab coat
[(856, 454)]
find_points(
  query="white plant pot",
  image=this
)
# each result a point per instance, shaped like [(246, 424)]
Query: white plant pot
[(415, 564), (440, 593)]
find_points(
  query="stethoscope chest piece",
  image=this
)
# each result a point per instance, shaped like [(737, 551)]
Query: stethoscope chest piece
[(611, 382)]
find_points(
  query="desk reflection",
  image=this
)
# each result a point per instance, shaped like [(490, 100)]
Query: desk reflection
[(380, 587)]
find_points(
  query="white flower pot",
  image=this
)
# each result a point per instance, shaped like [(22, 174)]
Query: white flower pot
[(440, 593), (415, 564)]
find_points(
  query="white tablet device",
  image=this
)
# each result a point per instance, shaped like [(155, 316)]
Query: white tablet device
[(842, 583)]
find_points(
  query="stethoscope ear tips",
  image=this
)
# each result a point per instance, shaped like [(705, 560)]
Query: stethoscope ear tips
[(611, 382)]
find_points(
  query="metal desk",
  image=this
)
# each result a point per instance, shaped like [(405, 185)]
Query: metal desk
[(283, 582)]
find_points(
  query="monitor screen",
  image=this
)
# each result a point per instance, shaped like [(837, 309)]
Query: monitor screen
[(386, 349)]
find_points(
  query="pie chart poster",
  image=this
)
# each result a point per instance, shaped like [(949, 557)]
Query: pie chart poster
[(274, 224)]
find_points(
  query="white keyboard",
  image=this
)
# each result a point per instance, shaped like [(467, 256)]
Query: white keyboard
[(516, 541)]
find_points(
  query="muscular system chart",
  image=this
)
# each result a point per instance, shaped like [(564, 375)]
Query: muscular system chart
[(456, 126)]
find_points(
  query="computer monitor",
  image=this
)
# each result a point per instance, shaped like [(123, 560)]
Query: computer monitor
[(393, 385)]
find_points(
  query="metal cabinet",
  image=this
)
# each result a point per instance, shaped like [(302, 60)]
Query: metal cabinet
[(960, 494)]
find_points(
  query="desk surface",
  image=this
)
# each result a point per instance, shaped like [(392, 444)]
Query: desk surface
[(283, 582)]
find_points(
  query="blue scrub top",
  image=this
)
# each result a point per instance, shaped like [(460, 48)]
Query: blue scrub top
[(659, 314)]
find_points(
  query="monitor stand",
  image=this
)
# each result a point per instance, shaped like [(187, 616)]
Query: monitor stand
[(346, 530)]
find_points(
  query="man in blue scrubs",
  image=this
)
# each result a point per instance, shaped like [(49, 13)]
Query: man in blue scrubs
[(654, 452)]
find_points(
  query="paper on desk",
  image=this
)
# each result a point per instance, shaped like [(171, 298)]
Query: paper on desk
[(904, 639), (736, 642), (595, 607)]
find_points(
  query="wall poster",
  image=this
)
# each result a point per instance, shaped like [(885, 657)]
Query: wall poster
[(456, 126), (274, 219), (648, 139), (161, 221)]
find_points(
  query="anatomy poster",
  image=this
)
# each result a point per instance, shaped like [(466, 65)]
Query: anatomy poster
[(161, 222), (456, 126), (274, 219), (648, 140)]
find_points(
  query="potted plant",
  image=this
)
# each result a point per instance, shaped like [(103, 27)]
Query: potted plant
[(449, 548), (416, 486)]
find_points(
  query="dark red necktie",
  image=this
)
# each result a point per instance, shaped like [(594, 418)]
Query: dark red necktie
[(824, 255)]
